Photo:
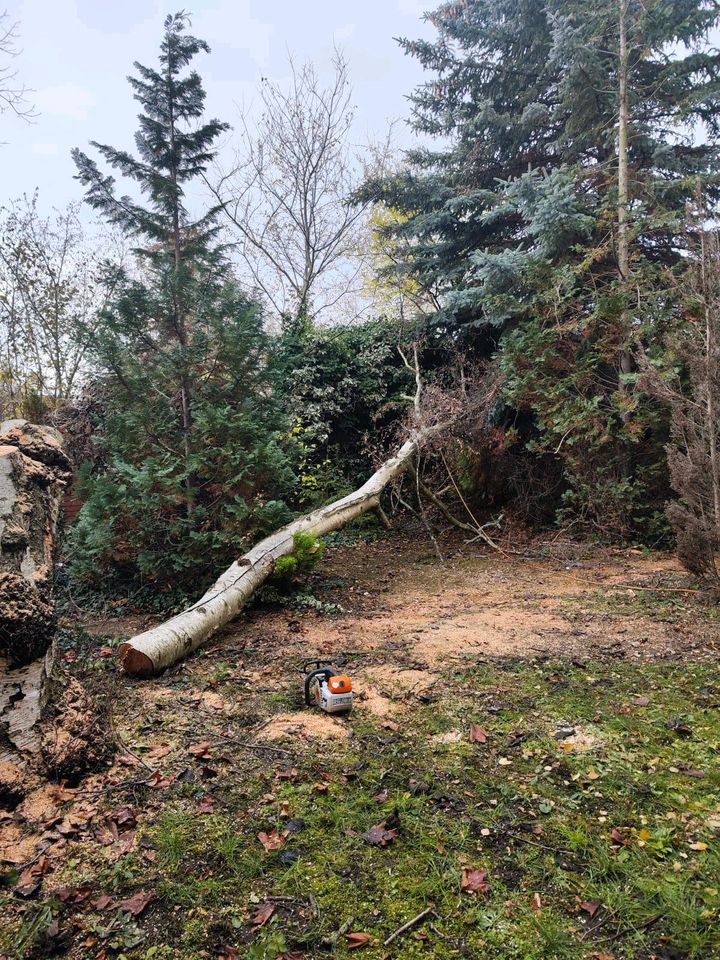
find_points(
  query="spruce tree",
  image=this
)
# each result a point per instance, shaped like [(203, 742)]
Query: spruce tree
[(552, 213), (191, 428)]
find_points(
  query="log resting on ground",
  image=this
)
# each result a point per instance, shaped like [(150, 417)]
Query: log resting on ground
[(34, 471), (163, 645)]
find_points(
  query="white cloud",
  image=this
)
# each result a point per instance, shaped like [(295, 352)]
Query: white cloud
[(64, 100), (345, 32), (46, 149)]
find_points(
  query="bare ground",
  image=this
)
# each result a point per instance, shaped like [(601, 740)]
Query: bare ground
[(406, 618)]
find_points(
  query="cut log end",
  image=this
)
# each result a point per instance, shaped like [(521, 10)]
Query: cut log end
[(134, 662)]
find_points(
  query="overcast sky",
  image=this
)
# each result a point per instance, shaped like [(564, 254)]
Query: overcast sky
[(76, 55)]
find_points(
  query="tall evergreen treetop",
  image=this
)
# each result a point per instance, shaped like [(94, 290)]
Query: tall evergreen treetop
[(171, 152), (532, 85)]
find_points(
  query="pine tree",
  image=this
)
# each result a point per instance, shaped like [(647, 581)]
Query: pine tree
[(553, 218), (191, 427)]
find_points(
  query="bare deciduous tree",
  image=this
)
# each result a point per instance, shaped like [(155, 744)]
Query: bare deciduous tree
[(288, 193), (13, 93), (49, 296)]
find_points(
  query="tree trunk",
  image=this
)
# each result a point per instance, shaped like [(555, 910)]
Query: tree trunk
[(33, 473), (161, 646), (623, 163)]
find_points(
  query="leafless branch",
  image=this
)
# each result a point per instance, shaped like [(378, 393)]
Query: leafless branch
[(13, 93), (287, 194)]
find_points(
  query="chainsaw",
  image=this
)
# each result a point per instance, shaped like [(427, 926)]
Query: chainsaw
[(326, 689)]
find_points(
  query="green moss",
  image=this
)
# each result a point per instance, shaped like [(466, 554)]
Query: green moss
[(307, 551)]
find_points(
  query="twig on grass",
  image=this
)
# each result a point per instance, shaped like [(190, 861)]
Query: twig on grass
[(268, 748), (411, 923), (628, 930), (543, 846)]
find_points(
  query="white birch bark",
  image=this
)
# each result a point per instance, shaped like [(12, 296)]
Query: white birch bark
[(161, 646)]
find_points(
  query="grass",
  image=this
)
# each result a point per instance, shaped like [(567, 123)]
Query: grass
[(668, 606), (601, 845)]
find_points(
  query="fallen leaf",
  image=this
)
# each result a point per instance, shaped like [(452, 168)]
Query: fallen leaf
[(159, 751), (380, 835), (590, 907), (617, 835), (390, 725), (357, 940), (536, 902), (321, 788), (102, 903), (641, 701), (263, 914), (206, 805), (137, 902), (698, 846), (478, 734), (474, 881), (679, 727), (158, 782), (382, 796), (123, 816), (27, 890), (200, 750), (271, 841)]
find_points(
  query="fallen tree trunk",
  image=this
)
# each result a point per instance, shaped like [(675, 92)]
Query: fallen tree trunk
[(34, 471), (161, 646)]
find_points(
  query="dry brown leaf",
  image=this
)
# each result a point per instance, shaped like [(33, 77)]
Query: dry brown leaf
[(379, 835), (474, 881), (357, 940), (137, 902), (263, 914), (271, 841), (478, 734)]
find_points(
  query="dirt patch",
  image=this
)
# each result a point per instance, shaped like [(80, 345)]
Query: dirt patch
[(582, 741), (408, 612), (16, 845), (305, 725)]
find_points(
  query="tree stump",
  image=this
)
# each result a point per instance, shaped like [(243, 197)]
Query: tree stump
[(34, 471)]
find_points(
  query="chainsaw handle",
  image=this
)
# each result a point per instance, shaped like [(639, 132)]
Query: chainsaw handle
[(325, 672)]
